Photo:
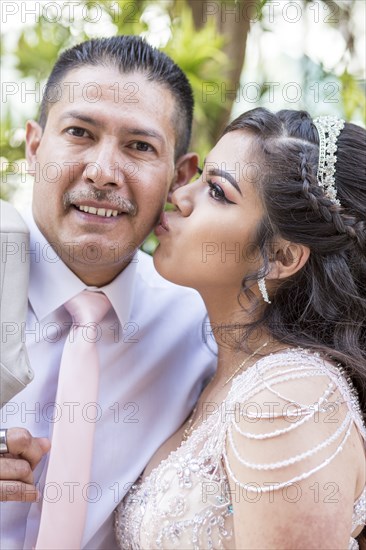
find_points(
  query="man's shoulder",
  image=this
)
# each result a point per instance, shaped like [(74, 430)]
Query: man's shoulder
[(11, 220)]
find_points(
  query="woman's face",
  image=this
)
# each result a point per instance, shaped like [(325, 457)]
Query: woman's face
[(208, 241)]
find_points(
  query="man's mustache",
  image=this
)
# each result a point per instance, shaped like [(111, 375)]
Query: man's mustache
[(100, 195)]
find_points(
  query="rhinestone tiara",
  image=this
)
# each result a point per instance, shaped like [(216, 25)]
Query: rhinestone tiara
[(329, 128)]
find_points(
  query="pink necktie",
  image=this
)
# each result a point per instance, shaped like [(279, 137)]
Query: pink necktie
[(64, 510)]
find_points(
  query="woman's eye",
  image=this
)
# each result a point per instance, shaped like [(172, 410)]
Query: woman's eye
[(216, 192), (77, 132), (142, 146)]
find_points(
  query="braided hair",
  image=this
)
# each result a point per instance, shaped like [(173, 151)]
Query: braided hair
[(322, 306)]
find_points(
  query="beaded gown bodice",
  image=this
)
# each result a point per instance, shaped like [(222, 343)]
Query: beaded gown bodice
[(185, 502)]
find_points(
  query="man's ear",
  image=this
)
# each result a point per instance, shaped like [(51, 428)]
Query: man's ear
[(33, 135), (287, 259), (185, 169)]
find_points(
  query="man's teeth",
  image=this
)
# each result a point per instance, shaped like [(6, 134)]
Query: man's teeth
[(98, 211)]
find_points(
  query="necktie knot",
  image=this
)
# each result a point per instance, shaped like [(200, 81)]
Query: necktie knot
[(88, 307)]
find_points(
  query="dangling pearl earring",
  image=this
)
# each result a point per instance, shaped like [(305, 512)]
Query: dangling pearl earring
[(263, 290)]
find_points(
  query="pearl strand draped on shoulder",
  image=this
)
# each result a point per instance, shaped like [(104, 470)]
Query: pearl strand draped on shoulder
[(185, 502)]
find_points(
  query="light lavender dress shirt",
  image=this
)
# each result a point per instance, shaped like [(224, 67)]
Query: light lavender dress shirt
[(153, 365)]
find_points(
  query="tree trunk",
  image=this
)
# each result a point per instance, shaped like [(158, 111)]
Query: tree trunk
[(233, 21)]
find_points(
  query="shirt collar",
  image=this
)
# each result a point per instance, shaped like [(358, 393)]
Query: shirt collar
[(52, 283)]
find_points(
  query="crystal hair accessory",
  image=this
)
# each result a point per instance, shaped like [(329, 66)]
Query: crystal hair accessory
[(329, 128)]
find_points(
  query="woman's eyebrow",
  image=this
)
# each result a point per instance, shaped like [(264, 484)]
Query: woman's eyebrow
[(223, 174)]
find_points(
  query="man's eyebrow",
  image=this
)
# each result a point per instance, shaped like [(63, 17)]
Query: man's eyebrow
[(147, 132), (223, 174), (80, 116)]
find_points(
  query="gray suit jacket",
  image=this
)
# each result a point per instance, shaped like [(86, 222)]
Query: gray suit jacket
[(15, 370)]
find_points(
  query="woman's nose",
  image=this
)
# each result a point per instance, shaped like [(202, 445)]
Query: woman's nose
[(183, 198)]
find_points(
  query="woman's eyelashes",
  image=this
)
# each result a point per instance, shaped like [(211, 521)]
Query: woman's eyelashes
[(198, 173), (217, 193)]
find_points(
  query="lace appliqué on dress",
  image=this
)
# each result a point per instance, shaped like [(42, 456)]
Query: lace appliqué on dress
[(161, 511), (185, 502)]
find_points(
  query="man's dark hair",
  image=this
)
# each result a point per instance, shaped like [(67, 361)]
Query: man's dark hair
[(128, 54)]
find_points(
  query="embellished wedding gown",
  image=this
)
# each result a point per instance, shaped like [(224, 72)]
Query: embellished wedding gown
[(185, 501)]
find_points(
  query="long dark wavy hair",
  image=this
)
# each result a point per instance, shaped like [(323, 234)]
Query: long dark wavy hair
[(323, 306)]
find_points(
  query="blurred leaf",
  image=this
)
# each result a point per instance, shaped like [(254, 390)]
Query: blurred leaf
[(200, 56), (354, 100)]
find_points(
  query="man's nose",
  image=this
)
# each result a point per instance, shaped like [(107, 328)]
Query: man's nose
[(105, 168)]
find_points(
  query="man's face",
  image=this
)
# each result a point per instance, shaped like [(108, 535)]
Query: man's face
[(103, 167)]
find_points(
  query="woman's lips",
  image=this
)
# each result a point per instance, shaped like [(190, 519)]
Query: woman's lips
[(162, 226)]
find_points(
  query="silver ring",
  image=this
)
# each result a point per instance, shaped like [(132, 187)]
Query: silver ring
[(3, 442)]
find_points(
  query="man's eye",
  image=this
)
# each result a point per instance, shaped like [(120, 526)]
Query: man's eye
[(142, 146), (77, 132)]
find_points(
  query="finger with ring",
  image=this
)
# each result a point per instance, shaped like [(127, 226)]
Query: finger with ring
[(3, 442)]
